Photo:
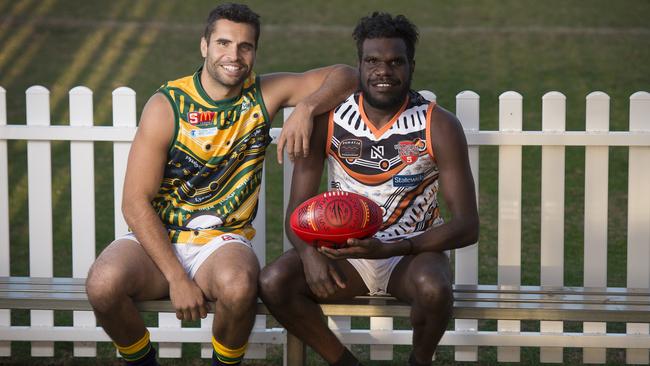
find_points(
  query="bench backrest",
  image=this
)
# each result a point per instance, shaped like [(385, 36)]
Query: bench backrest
[(508, 195)]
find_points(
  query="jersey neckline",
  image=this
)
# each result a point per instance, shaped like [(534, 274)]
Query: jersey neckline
[(204, 94), (378, 132)]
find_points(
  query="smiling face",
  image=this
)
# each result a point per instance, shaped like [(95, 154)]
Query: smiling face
[(229, 53), (385, 72)]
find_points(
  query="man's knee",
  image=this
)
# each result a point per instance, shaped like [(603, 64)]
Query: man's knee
[(433, 292), (273, 284), (105, 286), (237, 289)]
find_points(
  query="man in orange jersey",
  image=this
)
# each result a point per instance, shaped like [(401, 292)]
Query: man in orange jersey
[(191, 189), (390, 144)]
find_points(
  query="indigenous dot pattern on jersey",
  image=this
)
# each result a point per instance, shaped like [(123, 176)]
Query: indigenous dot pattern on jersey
[(214, 169)]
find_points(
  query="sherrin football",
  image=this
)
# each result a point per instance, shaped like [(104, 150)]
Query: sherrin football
[(330, 218)]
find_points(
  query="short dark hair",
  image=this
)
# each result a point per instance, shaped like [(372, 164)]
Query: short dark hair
[(384, 25), (238, 13)]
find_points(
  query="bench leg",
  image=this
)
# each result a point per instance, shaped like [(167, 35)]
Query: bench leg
[(295, 351)]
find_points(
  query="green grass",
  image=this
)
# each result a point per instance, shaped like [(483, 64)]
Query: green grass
[(488, 46)]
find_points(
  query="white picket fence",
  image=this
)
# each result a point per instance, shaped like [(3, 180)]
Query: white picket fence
[(39, 133)]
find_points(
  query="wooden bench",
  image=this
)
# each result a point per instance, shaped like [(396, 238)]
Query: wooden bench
[(506, 301), (471, 302)]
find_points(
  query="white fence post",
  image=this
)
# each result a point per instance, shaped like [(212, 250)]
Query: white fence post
[(466, 269), (638, 216), (595, 226), (552, 212), (206, 348), (287, 172), (509, 216), (381, 351), (39, 180), (82, 188), (5, 315), (124, 115)]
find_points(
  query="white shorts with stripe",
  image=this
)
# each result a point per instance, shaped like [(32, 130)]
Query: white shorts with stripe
[(192, 256)]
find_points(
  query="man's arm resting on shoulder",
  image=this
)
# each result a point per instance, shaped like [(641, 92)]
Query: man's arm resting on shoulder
[(143, 176), (312, 93), (457, 186)]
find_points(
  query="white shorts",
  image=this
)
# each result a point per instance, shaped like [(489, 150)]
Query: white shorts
[(375, 273), (192, 256)]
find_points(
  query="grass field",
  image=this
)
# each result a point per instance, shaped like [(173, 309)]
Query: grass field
[(487, 46)]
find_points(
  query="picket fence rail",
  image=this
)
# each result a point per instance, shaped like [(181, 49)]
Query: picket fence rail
[(466, 337)]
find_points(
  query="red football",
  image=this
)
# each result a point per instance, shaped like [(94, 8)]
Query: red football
[(330, 218)]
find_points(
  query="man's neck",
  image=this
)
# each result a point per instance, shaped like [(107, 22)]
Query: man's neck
[(216, 90), (380, 117)]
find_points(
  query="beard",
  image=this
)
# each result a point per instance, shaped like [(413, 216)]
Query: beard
[(388, 102), (214, 72)]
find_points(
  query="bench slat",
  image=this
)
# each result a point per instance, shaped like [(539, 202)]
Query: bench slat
[(471, 302), (465, 310), (501, 289), (9, 295), (61, 291)]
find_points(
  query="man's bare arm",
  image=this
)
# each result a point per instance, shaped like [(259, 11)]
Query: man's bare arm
[(305, 181), (456, 184), (320, 272), (312, 93), (144, 174)]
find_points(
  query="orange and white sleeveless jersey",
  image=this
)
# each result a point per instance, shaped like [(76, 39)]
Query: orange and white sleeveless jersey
[(394, 166)]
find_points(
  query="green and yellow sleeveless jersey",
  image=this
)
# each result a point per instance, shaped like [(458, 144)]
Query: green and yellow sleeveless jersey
[(214, 166)]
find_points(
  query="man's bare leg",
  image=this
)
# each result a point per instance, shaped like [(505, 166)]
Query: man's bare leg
[(229, 277), (123, 273), (285, 292), (424, 281)]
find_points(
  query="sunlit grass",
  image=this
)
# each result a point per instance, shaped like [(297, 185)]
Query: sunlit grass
[(21, 35)]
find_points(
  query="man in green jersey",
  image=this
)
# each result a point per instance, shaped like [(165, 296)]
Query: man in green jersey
[(191, 189)]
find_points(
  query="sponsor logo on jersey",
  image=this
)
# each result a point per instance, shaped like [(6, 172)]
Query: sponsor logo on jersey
[(350, 149), (407, 180), (377, 152), (335, 185), (203, 132), (196, 118), (408, 151)]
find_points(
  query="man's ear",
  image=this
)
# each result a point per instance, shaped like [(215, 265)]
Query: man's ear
[(204, 47), (412, 66)]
